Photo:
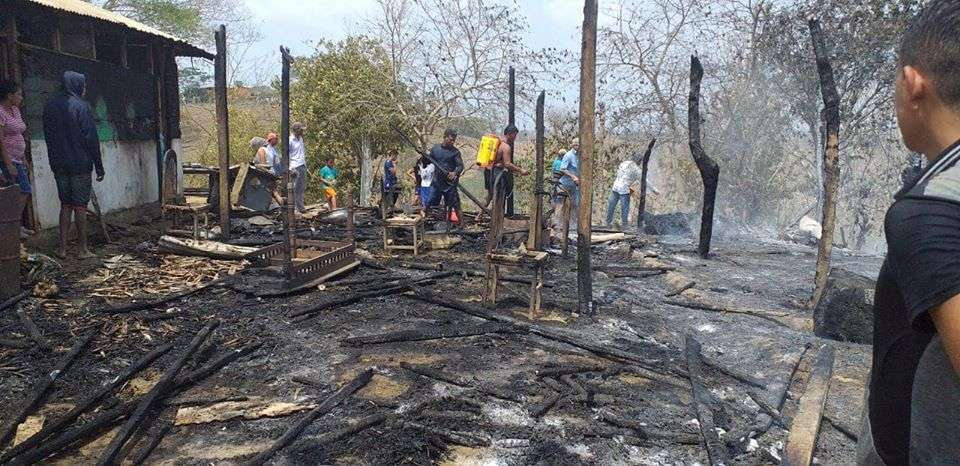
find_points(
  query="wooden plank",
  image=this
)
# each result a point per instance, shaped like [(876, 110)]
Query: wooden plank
[(223, 129), (588, 99), (806, 423), (716, 449), (535, 236), (238, 183)]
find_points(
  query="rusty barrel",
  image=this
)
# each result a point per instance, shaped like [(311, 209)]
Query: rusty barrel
[(11, 203)]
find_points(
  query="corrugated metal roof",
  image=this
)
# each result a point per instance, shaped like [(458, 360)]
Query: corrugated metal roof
[(82, 8)]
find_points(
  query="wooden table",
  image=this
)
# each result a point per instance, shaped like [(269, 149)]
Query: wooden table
[(535, 260), (415, 224)]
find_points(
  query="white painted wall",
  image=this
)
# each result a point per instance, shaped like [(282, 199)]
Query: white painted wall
[(130, 180)]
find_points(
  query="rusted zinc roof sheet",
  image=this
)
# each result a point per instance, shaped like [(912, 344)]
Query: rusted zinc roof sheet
[(82, 8)]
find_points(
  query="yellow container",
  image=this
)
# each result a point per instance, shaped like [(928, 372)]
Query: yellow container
[(487, 153)]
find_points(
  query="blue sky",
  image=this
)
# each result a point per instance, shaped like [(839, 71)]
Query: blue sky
[(295, 23)]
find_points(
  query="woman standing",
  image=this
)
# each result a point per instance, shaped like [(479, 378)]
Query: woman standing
[(13, 143)]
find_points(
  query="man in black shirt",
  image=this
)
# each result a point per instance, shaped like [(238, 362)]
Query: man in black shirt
[(914, 393), (449, 163)]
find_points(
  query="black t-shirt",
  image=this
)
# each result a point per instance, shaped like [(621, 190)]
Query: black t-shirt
[(448, 160), (921, 271)]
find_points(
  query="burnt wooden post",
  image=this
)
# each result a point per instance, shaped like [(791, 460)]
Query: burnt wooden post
[(831, 159), (223, 129), (642, 205), (351, 227), (709, 170), (289, 237), (511, 120), (535, 237), (588, 100)]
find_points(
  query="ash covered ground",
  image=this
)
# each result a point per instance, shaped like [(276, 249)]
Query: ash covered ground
[(494, 407)]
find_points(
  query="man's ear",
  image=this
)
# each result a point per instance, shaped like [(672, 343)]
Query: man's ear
[(916, 86)]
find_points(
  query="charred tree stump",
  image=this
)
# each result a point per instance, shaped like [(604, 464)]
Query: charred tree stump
[(588, 99), (163, 386), (709, 170), (831, 160), (642, 204), (716, 450), (86, 404), (294, 431), (40, 391)]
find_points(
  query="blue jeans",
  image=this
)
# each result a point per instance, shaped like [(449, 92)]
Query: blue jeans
[(624, 200)]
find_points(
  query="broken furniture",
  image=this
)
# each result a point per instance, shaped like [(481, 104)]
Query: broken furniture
[(311, 263), (395, 224), (253, 187), (532, 260), (196, 211)]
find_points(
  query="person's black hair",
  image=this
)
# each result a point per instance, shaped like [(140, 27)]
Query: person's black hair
[(7, 87), (931, 44), (450, 132), (510, 129)]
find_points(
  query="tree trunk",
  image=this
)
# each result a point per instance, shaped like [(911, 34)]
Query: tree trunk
[(588, 97), (642, 205), (366, 170), (709, 170), (831, 156)]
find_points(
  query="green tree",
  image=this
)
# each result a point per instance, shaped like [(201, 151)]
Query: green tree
[(345, 96)]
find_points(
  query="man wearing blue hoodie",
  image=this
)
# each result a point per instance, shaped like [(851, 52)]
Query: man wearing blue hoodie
[(73, 149)]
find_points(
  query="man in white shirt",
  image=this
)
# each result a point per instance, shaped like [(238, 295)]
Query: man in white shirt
[(628, 173), (298, 165)]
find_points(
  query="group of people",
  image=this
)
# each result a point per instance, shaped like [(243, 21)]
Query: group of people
[(73, 152), (268, 156)]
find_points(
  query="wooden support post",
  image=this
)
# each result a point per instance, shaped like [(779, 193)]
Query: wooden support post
[(709, 170), (512, 98), (806, 422), (289, 236), (13, 51), (535, 237), (831, 160), (512, 121), (642, 205), (588, 98), (223, 129), (351, 227)]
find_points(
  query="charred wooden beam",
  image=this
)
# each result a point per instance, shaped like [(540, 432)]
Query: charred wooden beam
[(40, 390), (716, 450), (314, 383), (33, 331), (82, 407), (12, 343), (152, 441), (564, 370), (350, 430), (361, 295), (14, 300), (111, 454), (709, 170), (328, 405), (548, 403), (642, 204), (459, 381), (223, 129), (615, 354), (588, 99), (806, 422), (831, 160), (428, 334), (290, 224), (111, 416), (535, 235), (467, 439), (772, 317)]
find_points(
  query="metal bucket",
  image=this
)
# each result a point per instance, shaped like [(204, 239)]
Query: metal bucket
[(11, 206)]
